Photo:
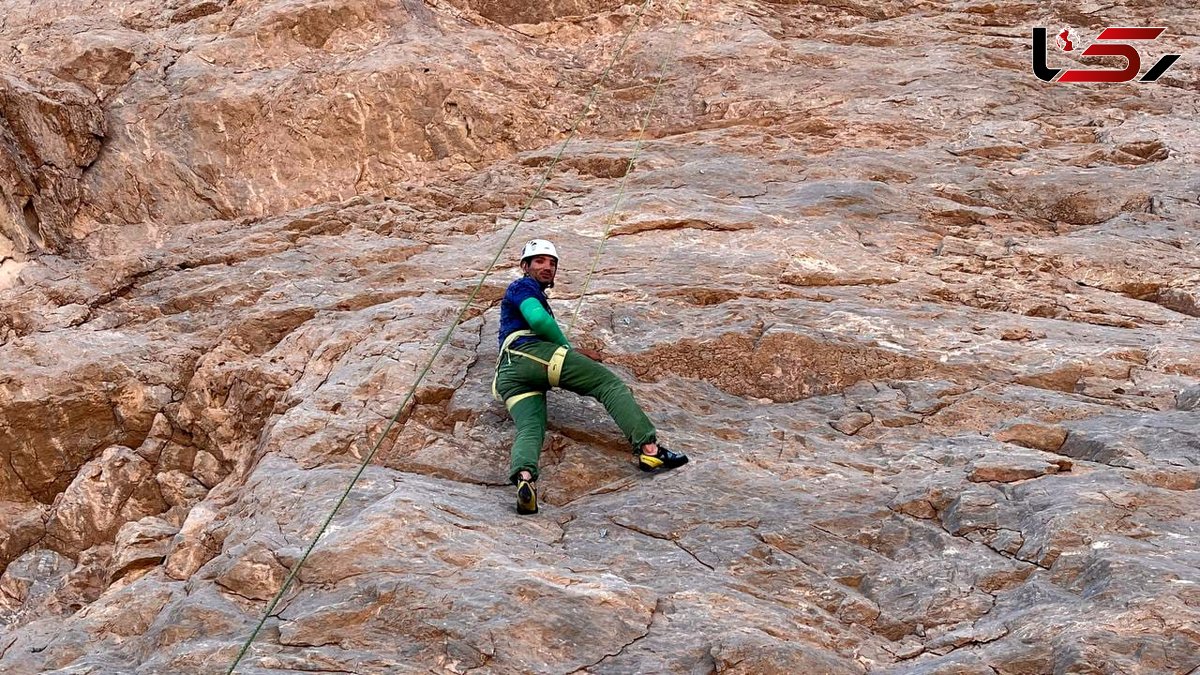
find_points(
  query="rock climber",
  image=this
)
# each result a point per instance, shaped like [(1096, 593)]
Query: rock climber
[(536, 357)]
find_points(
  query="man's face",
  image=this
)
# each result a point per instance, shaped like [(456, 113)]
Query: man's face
[(542, 268)]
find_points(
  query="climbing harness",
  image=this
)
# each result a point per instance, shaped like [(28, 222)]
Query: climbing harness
[(553, 367)]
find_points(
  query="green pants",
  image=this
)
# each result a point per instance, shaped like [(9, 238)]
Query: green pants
[(519, 375)]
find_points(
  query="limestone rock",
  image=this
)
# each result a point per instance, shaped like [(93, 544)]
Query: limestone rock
[(28, 582), (179, 490), (1049, 437), (116, 488), (49, 135), (744, 652), (253, 573), (851, 424), (198, 540), (1188, 399), (92, 404), (24, 524), (1007, 469), (927, 331), (140, 544)]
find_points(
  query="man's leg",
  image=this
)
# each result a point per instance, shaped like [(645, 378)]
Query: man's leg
[(529, 415), (588, 378), (584, 376), (522, 385)]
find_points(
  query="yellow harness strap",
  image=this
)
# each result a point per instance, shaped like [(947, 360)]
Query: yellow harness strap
[(504, 349), (512, 337), (529, 356), (513, 400), (554, 368)]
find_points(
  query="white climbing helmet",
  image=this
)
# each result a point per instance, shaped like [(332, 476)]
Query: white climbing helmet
[(538, 247)]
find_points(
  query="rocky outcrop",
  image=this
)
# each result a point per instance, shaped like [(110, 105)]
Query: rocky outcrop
[(925, 324), (49, 135)]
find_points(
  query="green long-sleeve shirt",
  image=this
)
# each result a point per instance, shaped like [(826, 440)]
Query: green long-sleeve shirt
[(541, 322)]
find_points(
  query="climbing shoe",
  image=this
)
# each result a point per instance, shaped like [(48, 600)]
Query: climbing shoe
[(664, 460), (527, 498)]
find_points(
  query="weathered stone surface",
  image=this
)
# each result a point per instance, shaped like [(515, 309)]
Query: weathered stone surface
[(852, 423), (926, 325), (197, 541), (28, 582), (85, 583), (755, 652), (251, 571), (59, 413), (180, 491), (140, 544), (1162, 448), (1188, 399), (1007, 469), (24, 525), (49, 135), (1048, 437), (116, 488)]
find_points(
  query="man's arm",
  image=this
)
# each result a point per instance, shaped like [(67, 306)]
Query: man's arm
[(542, 323)]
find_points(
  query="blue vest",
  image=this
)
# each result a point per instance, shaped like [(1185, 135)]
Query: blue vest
[(511, 319)]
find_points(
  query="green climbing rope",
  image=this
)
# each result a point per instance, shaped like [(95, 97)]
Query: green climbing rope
[(637, 149), (274, 602)]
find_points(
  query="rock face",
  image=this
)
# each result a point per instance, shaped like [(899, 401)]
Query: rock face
[(926, 325), (48, 136)]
